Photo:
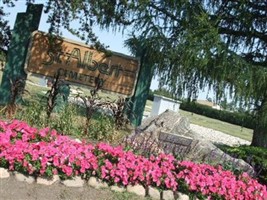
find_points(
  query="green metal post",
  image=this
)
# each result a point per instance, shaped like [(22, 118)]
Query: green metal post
[(138, 100), (25, 24)]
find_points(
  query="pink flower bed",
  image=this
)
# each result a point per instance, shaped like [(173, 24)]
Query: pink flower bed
[(44, 153)]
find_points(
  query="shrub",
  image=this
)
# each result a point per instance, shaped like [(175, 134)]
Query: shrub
[(33, 113), (255, 156), (101, 128), (17, 90), (67, 120)]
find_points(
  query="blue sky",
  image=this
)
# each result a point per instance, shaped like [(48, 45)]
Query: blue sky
[(113, 40)]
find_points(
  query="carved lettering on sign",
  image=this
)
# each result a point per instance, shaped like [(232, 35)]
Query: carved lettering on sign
[(175, 144)]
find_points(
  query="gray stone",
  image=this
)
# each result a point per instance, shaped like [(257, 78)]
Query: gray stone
[(4, 173), (153, 193), (78, 141), (77, 181), (175, 144), (144, 142), (116, 188), (168, 195), (45, 181), (176, 139), (182, 196), (168, 122), (136, 189), (24, 178), (97, 183), (170, 133), (205, 151)]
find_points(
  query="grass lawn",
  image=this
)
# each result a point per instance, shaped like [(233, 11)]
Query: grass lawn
[(218, 125), (215, 124)]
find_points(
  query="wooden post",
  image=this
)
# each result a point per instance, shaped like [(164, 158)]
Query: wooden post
[(25, 24), (138, 101)]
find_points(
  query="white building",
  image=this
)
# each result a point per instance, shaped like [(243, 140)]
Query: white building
[(161, 104)]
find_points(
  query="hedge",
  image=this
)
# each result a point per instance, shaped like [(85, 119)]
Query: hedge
[(241, 119)]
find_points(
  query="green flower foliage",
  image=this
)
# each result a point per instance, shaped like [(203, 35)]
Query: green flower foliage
[(255, 156)]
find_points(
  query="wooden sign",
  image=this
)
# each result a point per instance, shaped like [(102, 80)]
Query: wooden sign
[(78, 63)]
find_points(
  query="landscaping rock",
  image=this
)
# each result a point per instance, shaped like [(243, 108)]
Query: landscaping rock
[(4, 173), (182, 196), (170, 133), (116, 188), (24, 178), (78, 141), (205, 151), (168, 195), (45, 181), (136, 189), (153, 193), (169, 122), (97, 183), (77, 181)]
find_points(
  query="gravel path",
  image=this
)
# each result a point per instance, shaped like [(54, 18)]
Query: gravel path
[(217, 136)]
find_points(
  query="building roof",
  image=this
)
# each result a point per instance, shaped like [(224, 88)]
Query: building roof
[(206, 103)]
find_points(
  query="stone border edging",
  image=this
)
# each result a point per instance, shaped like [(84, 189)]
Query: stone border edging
[(96, 183)]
